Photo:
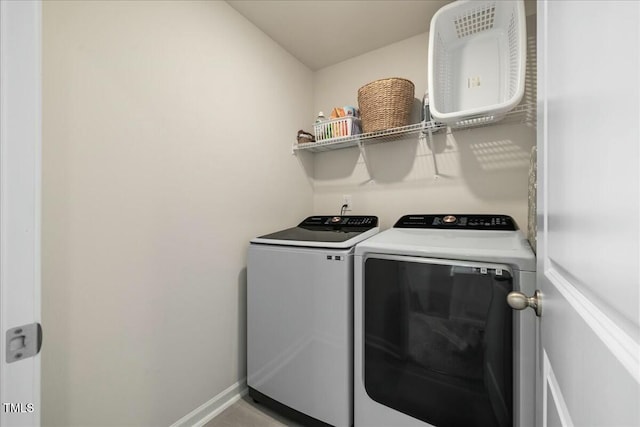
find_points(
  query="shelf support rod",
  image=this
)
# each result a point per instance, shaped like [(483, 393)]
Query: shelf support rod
[(429, 135)]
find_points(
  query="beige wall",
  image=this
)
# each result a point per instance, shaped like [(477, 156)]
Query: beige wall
[(167, 135), (483, 170)]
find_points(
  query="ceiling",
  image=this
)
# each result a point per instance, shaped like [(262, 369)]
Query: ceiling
[(321, 33)]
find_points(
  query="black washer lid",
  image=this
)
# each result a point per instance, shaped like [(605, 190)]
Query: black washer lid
[(326, 229), (458, 222)]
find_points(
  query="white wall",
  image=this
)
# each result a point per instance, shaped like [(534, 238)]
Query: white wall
[(167, 135), (483, 170)]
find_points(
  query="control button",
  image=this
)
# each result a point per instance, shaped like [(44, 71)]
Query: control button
[(335, 219), (449, 219)]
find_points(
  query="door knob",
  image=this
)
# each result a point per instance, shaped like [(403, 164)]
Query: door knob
[(519, 301)]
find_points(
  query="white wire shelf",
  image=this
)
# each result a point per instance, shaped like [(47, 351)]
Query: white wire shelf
[(525, 113), (355, 140)]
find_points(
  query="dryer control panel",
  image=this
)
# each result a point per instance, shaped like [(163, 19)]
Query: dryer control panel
[(458, 222)]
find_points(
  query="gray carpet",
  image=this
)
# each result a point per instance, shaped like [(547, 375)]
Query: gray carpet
[(246, 413)]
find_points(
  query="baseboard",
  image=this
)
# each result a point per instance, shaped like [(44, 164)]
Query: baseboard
[(209, 410)]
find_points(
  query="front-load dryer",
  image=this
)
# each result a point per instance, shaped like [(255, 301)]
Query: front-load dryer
[(435, 343), (300, 318)]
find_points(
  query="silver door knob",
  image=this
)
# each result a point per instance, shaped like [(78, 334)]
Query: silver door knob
[(519, 301)]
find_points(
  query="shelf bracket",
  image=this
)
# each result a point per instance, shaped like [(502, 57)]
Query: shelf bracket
[(363, 153)]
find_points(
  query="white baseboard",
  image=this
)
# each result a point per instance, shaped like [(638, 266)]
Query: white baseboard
[(209, 410)]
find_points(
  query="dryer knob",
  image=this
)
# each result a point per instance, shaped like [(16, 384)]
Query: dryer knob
[(449, 219)]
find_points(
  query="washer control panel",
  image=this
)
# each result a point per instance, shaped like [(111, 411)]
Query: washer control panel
[(458, 222), (341, 221)]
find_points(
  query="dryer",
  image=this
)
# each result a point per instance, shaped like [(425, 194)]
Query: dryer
[(300, 318), (435, 343)]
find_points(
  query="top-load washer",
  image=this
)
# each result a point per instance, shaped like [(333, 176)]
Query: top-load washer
[(435, 342), (300, 318)]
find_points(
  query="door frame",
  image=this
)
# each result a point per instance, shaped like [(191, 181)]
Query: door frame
[(20, 200)]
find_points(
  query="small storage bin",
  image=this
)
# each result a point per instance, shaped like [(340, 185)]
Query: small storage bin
[(336, 128), (477, 60), (385, 104)]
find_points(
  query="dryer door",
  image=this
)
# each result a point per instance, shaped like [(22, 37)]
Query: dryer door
[(438, 339)]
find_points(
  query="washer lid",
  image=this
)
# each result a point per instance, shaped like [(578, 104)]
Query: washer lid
[(325, 232)]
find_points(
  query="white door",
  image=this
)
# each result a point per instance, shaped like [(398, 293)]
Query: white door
[(588, 257), (20, 144)]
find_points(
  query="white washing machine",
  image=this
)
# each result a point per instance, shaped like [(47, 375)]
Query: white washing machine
[(435, 343), (300, 318)]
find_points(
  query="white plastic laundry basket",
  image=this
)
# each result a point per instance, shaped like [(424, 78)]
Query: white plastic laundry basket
[(477, 60)]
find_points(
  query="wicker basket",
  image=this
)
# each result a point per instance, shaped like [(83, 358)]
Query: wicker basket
[(385, 104)]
